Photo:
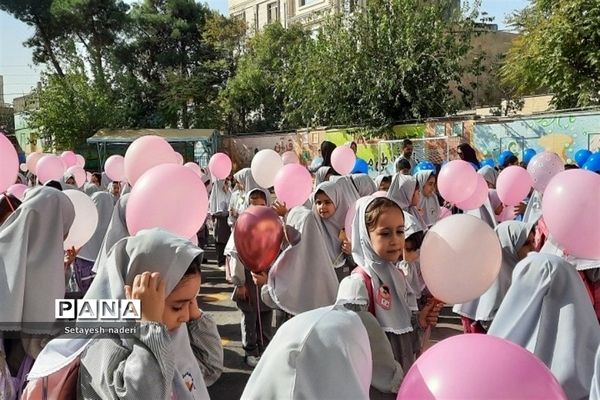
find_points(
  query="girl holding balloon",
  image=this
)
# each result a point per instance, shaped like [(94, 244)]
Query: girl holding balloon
[(377, 246)]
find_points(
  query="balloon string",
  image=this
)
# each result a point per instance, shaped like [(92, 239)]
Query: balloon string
[(426, 336), (260, 329)]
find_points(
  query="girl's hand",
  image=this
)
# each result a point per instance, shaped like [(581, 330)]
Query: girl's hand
[(241, 293), (195, 312), (280, 208), (429, 315), (499, 209), (347, 247), (260, 279), (149, 288)]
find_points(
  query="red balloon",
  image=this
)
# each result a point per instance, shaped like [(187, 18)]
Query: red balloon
[(258, 235)]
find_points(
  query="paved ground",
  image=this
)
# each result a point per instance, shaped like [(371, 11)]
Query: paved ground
[(215, 298)]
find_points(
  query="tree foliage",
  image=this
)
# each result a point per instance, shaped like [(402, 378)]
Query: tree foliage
[(558, 52)]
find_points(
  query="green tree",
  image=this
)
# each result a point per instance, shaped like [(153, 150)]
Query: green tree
[(558, 52), (393, 60), (72, 108), (254, 98)]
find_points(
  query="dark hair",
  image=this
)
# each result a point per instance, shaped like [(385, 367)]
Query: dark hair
[(8, 204), (406, 142), (571, 166), (510, 160), (194, 268), (414, 241), (376, 208), (326, 149), (403, 163), (54, 184), (468, 153), (98, 176), (386, 179), (255, 194)]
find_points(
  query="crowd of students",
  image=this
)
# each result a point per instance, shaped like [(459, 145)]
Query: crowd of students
[(350, 308)]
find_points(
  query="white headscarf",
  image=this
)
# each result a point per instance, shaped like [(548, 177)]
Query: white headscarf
[(380, 179), (401, 191), (533, 212), (412, 270), (32, 258), (397, 319), (302, 278), (489, 174), (307, 360), (430, 206), (105, 206), (595, 389), (219, 197), (90, 188), (321, 174), (581, 264), (485, 213), (150, 250), (244, 176), (512, 235), (548, 312), (364, 185), (352, 291), (117, 230), (332, 226)]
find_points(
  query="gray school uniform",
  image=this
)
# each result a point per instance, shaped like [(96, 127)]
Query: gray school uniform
[(110, 370)]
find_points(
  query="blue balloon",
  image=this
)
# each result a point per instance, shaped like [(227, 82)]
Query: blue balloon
[(360, 167), (488, 162), (593, 162), (424, 166), (503, 156), (582, 156), (528, 155)]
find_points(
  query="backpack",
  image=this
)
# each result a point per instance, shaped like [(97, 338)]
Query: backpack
[(368, 284), (60, 385)]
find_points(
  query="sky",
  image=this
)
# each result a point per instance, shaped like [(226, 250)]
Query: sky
[(20, 75)]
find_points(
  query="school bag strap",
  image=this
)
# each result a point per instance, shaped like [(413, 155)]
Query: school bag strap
[(369, 285)]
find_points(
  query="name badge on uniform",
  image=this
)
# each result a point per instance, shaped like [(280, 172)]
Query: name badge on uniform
[(384, 298)]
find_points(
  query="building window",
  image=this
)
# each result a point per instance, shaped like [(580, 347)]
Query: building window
[(440, 130), (305, 2), (457, 129), (241, 15), (272, 12)]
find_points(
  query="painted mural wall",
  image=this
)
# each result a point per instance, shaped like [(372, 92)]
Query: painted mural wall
[(563, 134)]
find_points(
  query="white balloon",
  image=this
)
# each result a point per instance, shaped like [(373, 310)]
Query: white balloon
[(86, 219), (460, 258), (265, 166)]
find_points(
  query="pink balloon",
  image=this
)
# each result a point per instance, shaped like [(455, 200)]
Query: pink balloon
[(145, 153), (69, 157), (50, 168), (293, 185), (444, 213), (80, 160), (17, 190), (64, 164), (457, 181), (543, 167), (513, 185), (78, 173), (289, 157), (32, 160), (9, 163), (180, 210), (220, 165), (194, 167), (478, 198), (343, 160), (178, 158), (460, 258), (479, 367), (571, 210), (114, 166)]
